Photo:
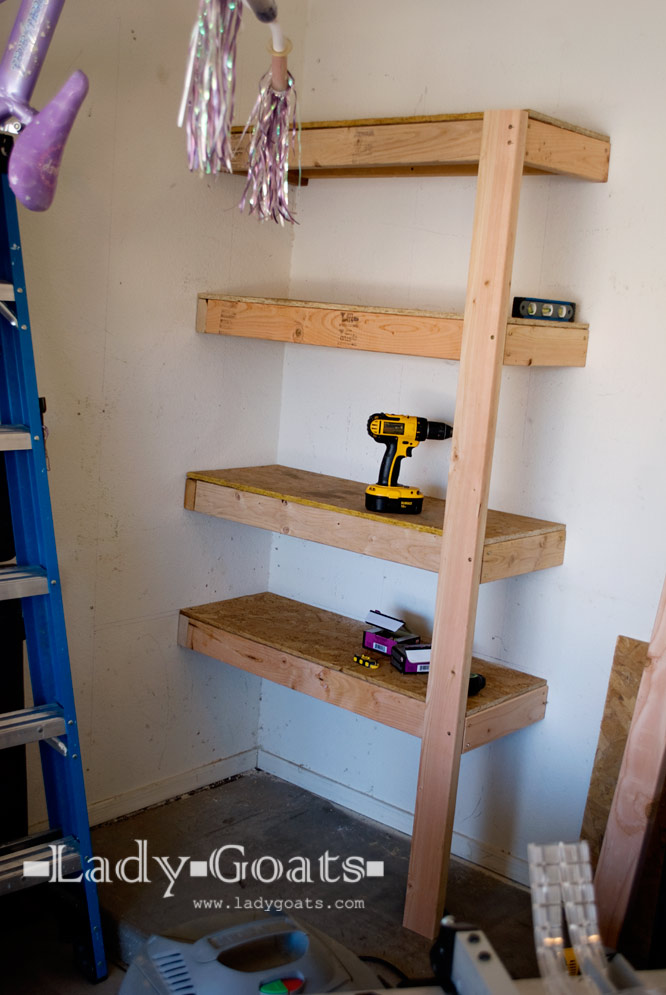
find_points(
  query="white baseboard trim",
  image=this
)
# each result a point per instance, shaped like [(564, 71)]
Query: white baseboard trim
[(170, 787), (491, 858)]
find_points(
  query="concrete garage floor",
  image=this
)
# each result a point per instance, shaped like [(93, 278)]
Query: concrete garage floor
[(276, 821)]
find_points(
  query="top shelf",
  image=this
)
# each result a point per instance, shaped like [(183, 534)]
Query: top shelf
[(438, 145)]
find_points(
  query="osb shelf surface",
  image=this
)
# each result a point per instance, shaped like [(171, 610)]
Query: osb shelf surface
[(442, 144), (397, 331), (311, 650), (331, 510), (629, 662)]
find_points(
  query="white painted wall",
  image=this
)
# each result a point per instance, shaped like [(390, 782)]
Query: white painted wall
[(580, 446), (136, 399)]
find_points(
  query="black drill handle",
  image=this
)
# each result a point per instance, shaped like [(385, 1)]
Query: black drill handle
[(389, 471)]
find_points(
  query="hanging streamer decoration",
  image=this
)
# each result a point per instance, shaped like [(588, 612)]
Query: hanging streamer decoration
[(273, 129), (207, 106)]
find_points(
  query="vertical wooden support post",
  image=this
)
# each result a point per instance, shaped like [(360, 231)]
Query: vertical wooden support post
[(639, 787), (484, 329)]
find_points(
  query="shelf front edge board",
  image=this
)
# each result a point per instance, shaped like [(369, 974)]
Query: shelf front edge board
[(361, 697), (349, 148), (384, 540), (393, 331)]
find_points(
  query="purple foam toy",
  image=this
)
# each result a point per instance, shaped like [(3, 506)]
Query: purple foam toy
[(35, 159)]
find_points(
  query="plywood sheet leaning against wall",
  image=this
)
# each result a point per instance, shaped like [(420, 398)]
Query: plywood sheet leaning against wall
[(638, 793), (629, 662)]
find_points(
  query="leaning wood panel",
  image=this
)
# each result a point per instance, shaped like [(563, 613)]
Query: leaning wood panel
[(430, 334), (311, 650), (638, 792), (486, 308), (629, 662), (331, 510)]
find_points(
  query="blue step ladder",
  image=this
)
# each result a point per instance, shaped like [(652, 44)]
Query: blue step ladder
[(66, 849)]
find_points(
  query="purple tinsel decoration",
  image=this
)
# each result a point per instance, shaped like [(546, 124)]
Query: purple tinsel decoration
[(208, 100), (273, 124)]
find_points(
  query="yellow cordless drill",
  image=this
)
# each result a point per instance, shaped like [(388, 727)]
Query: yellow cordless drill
[(400, 434)]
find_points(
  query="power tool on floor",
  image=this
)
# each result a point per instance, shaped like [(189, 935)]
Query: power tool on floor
[(262, 955), (400, 434)]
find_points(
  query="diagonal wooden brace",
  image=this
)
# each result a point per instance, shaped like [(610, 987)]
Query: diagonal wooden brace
[(484, 330)]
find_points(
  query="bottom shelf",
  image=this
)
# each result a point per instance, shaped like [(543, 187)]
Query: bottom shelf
[(311, 650)]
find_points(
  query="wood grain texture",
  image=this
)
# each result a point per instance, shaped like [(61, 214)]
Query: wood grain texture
[(431, 334), (311, 650), (629, 662), (486, 308), (439, 143), (461, 116), (446, 141), (560, 150), (639, 789), (331, 510)]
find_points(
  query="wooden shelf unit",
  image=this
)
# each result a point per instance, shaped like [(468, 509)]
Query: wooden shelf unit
[(311, 650), (431, 334), (501, 146), (331, 510)]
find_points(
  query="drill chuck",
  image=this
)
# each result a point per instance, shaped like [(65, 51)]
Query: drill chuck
[(439, 430)]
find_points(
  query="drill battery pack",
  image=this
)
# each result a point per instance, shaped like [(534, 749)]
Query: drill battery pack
[(399, 500)]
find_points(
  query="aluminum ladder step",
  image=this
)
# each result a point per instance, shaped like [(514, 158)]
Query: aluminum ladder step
[(22, 582), (7, 294), (14, 437), (30, 725), (34, 864)]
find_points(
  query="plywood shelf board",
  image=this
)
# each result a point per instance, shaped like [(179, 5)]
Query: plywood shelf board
[(331, 510), (395, 331), (311, 650), (439, 143)]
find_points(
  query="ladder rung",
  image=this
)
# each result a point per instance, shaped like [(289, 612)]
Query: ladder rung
[(22, 582), (33, 864), (8, 315), (6, 291), (14, 437), (29, 725)]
